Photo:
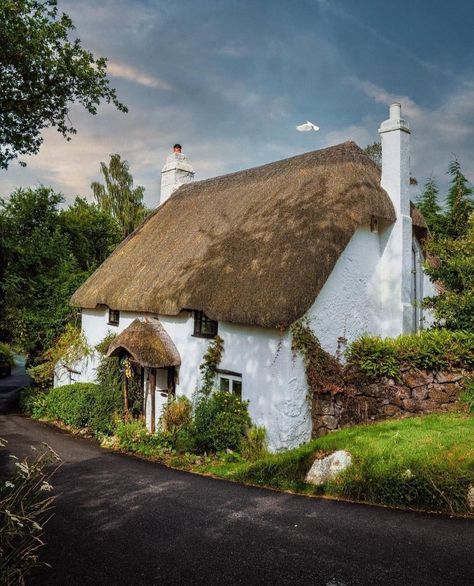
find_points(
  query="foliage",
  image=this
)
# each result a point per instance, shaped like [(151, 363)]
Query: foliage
[(430, 208), (454, 267), (69, 348), (39, 270), (435, 350), (109, 378), (467, 396), (177, 415), (220, 422), (103, 346), (118, 198), (42, 73), (33, 401), (460, 203), (254, 444), (210, 362), (80, 405), (418, 462), (374, 151), (323, 371), (133, 436), (6, 353), (25, 506), (93, 233)]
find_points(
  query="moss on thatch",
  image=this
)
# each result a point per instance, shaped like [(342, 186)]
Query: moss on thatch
[(252, 247), (148, 343)]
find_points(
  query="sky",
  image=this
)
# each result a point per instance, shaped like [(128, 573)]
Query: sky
[(230, 80)]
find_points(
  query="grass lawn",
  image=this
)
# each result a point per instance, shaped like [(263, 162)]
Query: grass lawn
[(418, 462)]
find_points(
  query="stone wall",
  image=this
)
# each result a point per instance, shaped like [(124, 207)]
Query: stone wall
[(417, 392)]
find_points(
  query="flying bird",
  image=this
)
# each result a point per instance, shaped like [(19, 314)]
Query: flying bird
[(307, 126)]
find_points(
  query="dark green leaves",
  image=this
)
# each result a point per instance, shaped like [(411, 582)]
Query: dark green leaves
[(42, 73)]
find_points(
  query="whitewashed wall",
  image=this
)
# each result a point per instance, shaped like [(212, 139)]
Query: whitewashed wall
[(357, 297), (349, 303), (273, 381)]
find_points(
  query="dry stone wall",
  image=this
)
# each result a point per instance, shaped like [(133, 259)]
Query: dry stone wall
[(417, 392)]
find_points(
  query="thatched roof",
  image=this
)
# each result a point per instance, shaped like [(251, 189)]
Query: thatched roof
[(252, 247), (148, 342)]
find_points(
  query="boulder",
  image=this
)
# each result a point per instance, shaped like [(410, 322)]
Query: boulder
[(329, 467), (470, 497)]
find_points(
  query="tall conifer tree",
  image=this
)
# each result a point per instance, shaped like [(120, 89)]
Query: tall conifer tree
[(460, 203)]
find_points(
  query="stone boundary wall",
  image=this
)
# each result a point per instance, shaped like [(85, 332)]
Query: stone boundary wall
[(417, 392)]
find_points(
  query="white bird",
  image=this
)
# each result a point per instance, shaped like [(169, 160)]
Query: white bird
[(307, 126)]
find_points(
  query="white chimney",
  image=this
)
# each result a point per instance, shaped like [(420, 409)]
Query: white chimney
[(397, 244), (176, 171)]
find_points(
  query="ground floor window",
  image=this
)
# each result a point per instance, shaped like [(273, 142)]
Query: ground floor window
[(230, 382)]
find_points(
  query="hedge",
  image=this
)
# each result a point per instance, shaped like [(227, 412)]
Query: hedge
[(433, 350)]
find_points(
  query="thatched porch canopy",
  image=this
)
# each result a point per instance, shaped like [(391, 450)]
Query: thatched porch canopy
[(252, 247), (147, 341)]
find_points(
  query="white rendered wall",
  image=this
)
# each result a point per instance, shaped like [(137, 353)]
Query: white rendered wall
[(349, 303), (358, 296), (273, 380)]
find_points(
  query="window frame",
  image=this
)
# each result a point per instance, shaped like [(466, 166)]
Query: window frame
[(231, 377), (201, 318), (114, 313)]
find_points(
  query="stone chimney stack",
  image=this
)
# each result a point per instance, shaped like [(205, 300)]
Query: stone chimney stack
[(397, 252), (176, 171)]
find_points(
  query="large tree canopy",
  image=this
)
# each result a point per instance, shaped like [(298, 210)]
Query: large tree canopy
[(45, 254), (42, 73), (118, 197)]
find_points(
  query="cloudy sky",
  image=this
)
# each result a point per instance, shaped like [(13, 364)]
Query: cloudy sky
[(231, 79)]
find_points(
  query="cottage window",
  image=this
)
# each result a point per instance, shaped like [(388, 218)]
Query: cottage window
[(114, 317), (230, 382), (203, 326)]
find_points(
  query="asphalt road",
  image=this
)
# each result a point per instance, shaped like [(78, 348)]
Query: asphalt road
[(120, 520)]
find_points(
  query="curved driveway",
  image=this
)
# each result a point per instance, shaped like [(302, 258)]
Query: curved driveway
[(121, 520)]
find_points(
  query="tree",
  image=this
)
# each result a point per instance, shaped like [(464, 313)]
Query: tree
[(40, 271), (374, 151), (118, 197), (430, 208), (460, 203), (42, 73), (453, 266), (93, 234)]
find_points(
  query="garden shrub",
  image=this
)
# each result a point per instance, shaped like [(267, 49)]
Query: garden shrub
[(220, 422), (81, 405), (434, 350), (177, 414), (254, 444), (133, 436)]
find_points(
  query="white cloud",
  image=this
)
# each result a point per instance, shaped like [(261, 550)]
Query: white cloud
[(132, 74)]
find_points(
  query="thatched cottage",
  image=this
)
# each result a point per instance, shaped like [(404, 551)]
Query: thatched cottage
[(324, 235)]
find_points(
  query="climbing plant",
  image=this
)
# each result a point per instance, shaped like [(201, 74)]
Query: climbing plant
[(323, 371), (210, 362)]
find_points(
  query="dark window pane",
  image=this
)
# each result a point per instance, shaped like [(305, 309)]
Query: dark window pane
[(114, 316), (237, 388), (224, 384), (203, 326)]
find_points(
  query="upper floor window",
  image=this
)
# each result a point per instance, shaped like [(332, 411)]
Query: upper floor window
[(114, 317), (203, 326)]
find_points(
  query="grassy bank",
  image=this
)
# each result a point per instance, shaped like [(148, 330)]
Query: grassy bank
[(419, 462)]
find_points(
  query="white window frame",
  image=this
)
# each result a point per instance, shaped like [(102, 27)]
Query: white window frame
[(231, 377)]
